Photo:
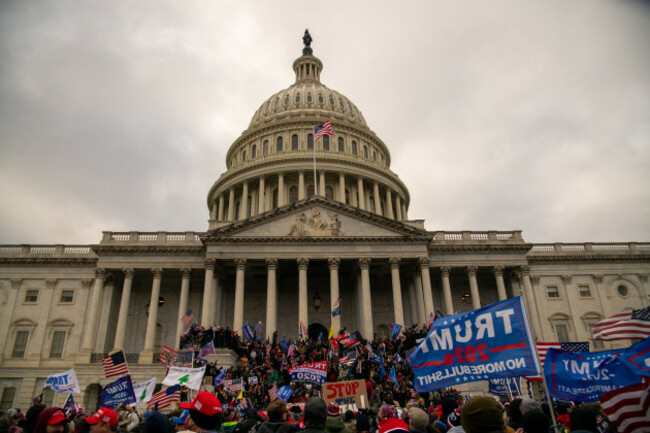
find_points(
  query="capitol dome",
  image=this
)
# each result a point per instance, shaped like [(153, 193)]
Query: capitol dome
[(272, 163)]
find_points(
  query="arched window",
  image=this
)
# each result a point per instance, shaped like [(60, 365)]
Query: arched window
[(329, 192), (310, 141), (365, 152), (297, 98), (278, 144), (293, 194), (341, 145), (310, 190), (294, 142), (326, 142), (254, 151), (265, 147), (354, 147), (275, 199)]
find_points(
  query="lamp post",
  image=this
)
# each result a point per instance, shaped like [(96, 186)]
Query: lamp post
[(316, 300)]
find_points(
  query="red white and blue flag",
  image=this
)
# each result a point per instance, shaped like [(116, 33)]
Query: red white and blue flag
[(115, 364), (628, 408), (324, 129), (207, 350), (187, 318), (165, 398), (542, 349), (630, 324)]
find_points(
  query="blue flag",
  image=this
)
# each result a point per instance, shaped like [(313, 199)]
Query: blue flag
[(377, 359), (118, 392), (585, 376), (393, 376), (637, 357), (207, 349), (284, 344), (321, 336), (69, 406), (248, 332), (336, 308), (219, 378), (500, 386), (285, 393), (395, 330), (487, 343)]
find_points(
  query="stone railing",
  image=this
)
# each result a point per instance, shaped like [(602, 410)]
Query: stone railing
[(591, 248), (54, 251), (473, 237), (173, 238)]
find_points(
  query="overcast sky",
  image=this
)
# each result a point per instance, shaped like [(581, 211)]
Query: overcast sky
[(499, 115)]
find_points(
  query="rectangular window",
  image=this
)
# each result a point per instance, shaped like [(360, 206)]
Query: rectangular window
[(552, 292), (585, 291), (7, 401), (597, 344), (562, 333), (31, 296), (48, 397), (58, 340), (67, 296), (20, 344)]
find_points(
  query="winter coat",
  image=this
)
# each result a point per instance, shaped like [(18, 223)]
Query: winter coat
[(336, 425)]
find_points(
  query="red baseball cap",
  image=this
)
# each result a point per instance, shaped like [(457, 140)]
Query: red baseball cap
[(57, 417), (105, 415), (205, 403)]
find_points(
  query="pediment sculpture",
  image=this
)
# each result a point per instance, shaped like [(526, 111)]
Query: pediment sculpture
[(316, 225)]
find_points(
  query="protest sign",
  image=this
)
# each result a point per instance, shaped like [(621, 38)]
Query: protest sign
[(63, 382), (285, 393), (488, 343), (314, 372), (348, 395), (585, 376), (118, 392), (505, 387)]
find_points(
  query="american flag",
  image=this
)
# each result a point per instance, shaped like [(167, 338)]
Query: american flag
[(187, 318), (115, 364), (630, 324), (273, 393), (185, 358), (324, 129), (628, 408), (349, 358), (542, 348), (232, 384), (291, 350), (167, 356), (431, 318), (268, 348), (165, 398)]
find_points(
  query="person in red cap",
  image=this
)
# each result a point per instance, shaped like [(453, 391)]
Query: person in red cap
[(51, 420), (205, 413), (334, 423), (104, 421)]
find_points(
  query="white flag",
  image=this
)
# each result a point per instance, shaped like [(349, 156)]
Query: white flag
[(63, 382), (185, 376), (144, 391)]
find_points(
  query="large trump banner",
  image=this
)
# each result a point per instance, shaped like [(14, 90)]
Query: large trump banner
[(489, 343)]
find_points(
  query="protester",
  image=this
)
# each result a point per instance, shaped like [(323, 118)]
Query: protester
[(51, 420), (535, 422), (334, 423), (315, 415), (156, 422), (418, 420), (205, 413), (179, 421), (278, 417), (584, 419), (389, 422), (482, 415), (229, 419), (104, 421)]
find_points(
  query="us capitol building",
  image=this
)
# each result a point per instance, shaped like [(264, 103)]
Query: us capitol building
[(284, 241)]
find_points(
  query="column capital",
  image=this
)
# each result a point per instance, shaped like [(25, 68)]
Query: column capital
[(445, 270), (423, 262), (534, 278), (364, 262), (240, 264), (51, 283), (128, 272), (498, 270), (209, 264), (333, 263), (524, 270), (86, 282), (157, 272), (16, 282), (598, 278), (303, 263), (271, 264), (186, 272), (394, 262), (472, 270), (100, 273), (566, 279)]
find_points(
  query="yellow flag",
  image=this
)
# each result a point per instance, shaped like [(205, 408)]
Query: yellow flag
[(331, 334), (241, 395)]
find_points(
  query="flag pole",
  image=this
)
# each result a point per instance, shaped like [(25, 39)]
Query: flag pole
[(315, 180)]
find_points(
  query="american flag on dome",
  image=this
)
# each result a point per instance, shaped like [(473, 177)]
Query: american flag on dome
[(165, 398), (542, 348), (324, 129), (628, 408), (115, 364), (630, 324)]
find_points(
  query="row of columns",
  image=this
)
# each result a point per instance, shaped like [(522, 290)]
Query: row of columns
[(264, 204)]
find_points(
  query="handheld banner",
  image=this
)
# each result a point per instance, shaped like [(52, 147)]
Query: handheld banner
[(118, 392), (285, 393), (500, 387), (637, 357), (315, 372), (144, 391), (585, 376), (190, 377), (348, 395), (63, 382), (489, 343)]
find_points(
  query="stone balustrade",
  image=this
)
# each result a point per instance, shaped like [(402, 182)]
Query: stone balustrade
[(157, 238)]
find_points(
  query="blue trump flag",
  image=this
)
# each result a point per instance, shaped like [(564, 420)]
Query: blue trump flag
[(500, 386), (393, 376), (637, 357), (285, 393), (248, 332), (284, 344), (489, 343), (219, 378), (585, 376), (395, 330), (118, 392)]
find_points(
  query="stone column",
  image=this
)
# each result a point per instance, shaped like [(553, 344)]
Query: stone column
[(334, 290), (208, 289), (238, 316), (243, 204), (375, 194), (213, 210), (426, 286), (419, 297), (321, 184), (501, 285), (389, 204), (146, 356), (413, 307), (446, 290), (404, 212), (368, 329), (218, 296), (182, 305), (362, 196), (342, 188), (398, 207), (93, 311), (231, 204), (120, 332), (303, 301), (301, 185), (220, 213), (473, 286), (397, 291), (281, 201), (271, 298), (531, 305), (260, 205)]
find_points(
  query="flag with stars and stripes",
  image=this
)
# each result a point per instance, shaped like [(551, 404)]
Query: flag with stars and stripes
[(542, 349), (324, 129), (165, 398), (349, 358), (273, 393), (291, 350), (629, 324), (187, 318), (628, 408), (115, 364)]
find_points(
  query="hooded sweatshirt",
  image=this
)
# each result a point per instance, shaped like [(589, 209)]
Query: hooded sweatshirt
[(43, 418), (315, 415)]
